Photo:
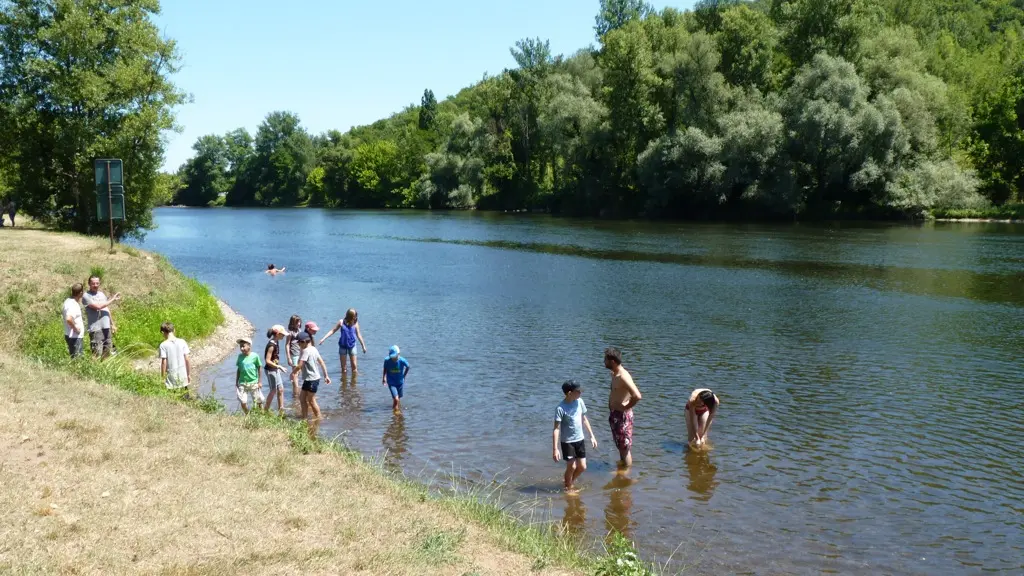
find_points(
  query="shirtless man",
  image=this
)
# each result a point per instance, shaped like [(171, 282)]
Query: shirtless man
[(274, 270), (624, 395), (700, 412)]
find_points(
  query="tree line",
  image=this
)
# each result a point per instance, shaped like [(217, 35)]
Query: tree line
[(780, 108), (748, 109)]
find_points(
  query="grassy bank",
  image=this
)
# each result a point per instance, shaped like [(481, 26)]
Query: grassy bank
[(1006, 212), (108, 473)]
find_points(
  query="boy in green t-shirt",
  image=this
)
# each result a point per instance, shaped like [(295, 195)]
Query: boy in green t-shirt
[(247, 376)]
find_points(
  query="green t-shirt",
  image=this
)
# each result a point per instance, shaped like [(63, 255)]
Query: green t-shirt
[(249, 368)]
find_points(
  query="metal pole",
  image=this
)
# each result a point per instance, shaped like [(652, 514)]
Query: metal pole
[(110, 207)]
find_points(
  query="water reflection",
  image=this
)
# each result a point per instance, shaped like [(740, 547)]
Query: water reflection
[(702, 474), (395, 440), (575, 518), (617, 514), (991, 287), (350, 397)]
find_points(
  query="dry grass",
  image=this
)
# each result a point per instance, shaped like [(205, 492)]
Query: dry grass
[(97, 481)]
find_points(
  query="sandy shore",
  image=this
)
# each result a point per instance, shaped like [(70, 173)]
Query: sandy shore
[(214, 348)]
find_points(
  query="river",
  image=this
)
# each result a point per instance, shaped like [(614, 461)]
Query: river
[(871, 376)]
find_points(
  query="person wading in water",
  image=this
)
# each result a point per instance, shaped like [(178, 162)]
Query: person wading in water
[(623, 396)]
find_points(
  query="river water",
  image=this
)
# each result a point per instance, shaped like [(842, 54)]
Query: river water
[(871, 377)]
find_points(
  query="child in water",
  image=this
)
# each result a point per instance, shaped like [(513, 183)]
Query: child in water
[(701, 409), (396, 369), (350, 334), (247, 375), (567, 439), (274, 271)]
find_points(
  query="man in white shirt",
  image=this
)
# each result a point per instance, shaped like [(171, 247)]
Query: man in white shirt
[(74, 328), (175, 368)]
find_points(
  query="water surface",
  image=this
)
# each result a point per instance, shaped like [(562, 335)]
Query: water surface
[(871, 376)]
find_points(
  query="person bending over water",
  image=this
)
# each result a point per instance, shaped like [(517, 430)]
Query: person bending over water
[(274, 271), (700, 412), (623, 396), (350, 334)]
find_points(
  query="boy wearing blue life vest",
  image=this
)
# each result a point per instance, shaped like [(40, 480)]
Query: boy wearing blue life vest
[(396, 369)]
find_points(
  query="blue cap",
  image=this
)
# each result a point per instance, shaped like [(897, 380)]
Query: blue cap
[(393, 352)]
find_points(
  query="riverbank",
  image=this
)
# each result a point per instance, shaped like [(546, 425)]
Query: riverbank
[(103, 471)]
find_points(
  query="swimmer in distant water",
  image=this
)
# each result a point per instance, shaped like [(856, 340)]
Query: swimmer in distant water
[(273, 270), (701, 409)]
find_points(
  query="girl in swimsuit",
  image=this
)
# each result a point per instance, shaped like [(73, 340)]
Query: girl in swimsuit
[(701, 409)]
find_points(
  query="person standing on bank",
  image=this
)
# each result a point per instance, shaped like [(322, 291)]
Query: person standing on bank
[(74, 328), (701, 409), (350, 334), (175, 368), (623, 396), (396, 369), (12, 209), (272, 365), (101, 320)]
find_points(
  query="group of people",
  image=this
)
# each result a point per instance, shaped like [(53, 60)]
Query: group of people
[(305, 365), (568, 441), (306, 369), (98, 321)]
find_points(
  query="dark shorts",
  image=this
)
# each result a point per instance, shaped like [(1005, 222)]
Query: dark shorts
[(74, 346), (101, 342), (311, 386), (574, 450), (622, 428), (396, 391)]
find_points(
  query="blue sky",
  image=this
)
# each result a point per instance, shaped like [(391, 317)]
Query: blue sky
[(339, 63)]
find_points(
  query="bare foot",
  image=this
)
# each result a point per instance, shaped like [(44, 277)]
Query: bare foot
[(572, 491)]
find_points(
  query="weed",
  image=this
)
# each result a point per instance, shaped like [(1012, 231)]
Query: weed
[(621, 559), (439, 546), (64, 269), (97, 272)]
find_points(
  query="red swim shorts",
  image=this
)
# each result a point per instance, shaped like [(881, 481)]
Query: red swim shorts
[(622, 428)]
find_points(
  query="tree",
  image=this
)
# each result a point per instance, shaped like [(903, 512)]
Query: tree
[(205, 175), (615, 14), (682, 174), (748, 41), (634, 119), (428, 110), (78, 81), (275, 174)]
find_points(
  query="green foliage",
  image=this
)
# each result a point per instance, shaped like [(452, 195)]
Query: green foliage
[(753, 109), (428, 110), (79, 81), (621, 559), (205, 176)]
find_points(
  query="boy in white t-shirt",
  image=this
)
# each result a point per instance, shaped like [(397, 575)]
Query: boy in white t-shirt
[(74, 327), (175, 368)]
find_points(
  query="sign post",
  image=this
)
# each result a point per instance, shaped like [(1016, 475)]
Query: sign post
[(109, 174)]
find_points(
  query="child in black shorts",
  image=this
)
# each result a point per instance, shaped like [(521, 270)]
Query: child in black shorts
[(570, 420)]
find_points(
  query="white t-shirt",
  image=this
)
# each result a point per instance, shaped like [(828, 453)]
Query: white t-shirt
[(71, 308), (308, 360), (174, 351)]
